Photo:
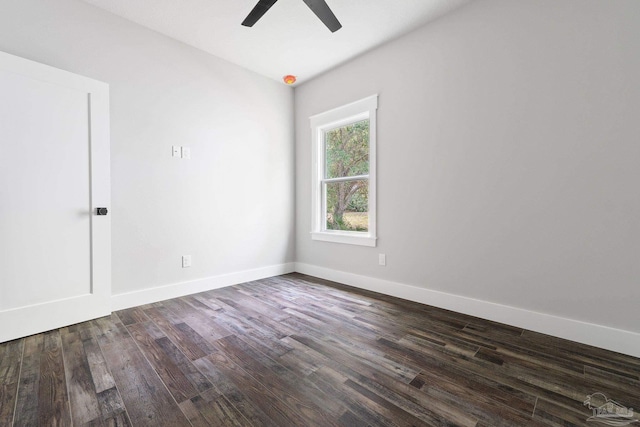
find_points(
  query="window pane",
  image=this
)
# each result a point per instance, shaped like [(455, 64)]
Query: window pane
[(347, 205), (347, 150)]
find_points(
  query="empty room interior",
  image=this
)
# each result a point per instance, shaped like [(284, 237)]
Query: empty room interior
[(319, 213)]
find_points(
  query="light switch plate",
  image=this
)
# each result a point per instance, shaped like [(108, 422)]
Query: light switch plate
[(175, 151)]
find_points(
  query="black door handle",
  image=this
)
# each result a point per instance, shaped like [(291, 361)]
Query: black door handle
[(101, 211)]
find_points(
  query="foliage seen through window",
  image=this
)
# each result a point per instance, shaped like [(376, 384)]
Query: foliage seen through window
[(347, 156)]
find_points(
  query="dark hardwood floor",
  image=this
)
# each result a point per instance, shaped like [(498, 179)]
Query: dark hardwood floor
[(299, 351)]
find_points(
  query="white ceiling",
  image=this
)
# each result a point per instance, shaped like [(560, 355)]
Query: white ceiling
[(289, 39)]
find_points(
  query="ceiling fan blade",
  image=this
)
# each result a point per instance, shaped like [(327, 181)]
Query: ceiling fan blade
[(322, 11), (258, 11)]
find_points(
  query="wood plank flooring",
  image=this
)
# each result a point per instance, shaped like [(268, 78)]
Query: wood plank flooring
[(299, 351)]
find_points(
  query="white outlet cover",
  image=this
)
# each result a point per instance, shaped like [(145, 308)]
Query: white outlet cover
[(186, 261), (186, 152), (382, 259)]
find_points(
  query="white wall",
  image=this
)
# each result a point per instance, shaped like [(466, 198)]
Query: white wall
[(231, 206), (508, 158)]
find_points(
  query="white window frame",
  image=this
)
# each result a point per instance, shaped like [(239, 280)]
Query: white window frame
[(321, 123)]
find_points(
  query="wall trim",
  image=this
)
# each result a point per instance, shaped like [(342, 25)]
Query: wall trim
[(175, 290), (605, 337)]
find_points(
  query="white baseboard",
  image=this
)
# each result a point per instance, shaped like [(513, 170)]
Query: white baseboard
[(622, 341), (161, 293)]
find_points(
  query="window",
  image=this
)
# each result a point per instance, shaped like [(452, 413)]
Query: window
[(344, 166)]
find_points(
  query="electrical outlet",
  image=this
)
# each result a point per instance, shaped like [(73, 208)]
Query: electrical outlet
[(382, 259), (175, 151), (186, 152), (186, 261)]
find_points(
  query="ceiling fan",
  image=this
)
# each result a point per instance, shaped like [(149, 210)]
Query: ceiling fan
[(319, 7)]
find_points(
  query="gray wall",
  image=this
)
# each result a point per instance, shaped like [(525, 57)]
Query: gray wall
[(231, 206), (508, 157)]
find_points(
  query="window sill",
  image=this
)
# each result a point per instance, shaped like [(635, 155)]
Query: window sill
[(349, 238)]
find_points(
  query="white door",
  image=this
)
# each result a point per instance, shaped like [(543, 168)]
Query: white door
[(55, 251)]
